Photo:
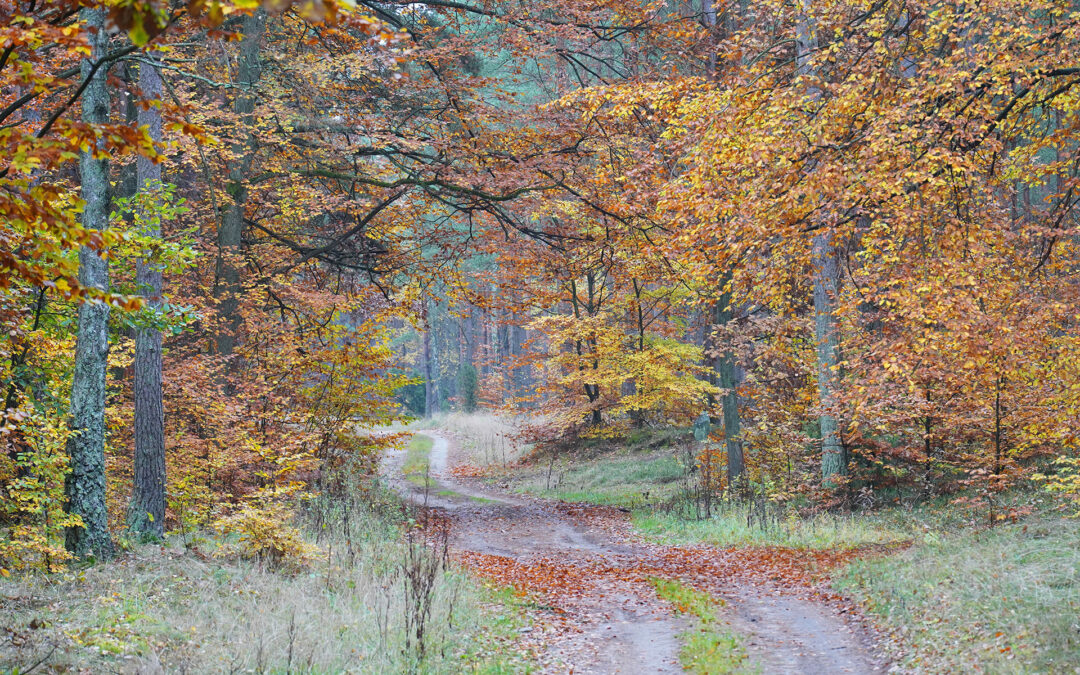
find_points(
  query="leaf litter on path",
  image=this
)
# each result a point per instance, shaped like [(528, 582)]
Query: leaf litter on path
[(587, 577)]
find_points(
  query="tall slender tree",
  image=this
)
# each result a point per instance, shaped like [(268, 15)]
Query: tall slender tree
[(825, 270), (86, 483), (147, 514), (231, 229), (431, 365), (725, 379), (724, 360)]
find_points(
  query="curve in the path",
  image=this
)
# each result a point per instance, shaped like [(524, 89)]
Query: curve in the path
[(622, 627)]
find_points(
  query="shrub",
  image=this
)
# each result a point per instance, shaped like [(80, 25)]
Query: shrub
[(35, 499), (265, 533)]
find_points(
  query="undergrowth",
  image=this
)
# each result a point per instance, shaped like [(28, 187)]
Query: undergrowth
[(352, 608), (651, 477), (709, 648)]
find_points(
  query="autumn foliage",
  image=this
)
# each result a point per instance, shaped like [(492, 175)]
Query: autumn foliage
[(862, 214)]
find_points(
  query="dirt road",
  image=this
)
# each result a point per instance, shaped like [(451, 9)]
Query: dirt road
[(609, 617)]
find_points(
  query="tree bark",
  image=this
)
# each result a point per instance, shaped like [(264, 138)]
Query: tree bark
[(227, 278), (727, 381), (431, 369), (825, 271), (147, 513), (517, 348), (85, 485)]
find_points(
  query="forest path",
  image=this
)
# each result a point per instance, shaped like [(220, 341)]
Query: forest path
[(605, 615)]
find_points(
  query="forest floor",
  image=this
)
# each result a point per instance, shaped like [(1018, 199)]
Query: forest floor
[(946, 591), (608, 601)]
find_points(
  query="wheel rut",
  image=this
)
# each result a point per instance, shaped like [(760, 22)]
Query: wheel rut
[(604, 614)]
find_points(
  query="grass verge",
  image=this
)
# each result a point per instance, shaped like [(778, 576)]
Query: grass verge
[(959, 598), (737, 526), (1004, 600), (487, 439), (417, 469), (163, 608), (643, 478), (709, 648), (418, 461), (628, 480)]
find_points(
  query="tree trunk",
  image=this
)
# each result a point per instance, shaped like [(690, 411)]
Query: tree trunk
[(85, 485), (517, 348), (825, 271), (502, 345), (147, 514), (708, 16), (727, 382), (472, 335), (431, 369), (227, 281)]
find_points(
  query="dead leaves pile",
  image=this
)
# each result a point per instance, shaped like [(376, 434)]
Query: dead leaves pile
[(470, 471)]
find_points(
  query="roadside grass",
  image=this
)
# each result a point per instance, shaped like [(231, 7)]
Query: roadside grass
[(709, 648), (628, 480), (1000, 600), (487, 439), (653, 483), (738, 526), (164, 608), (957, 597), (418, 461)]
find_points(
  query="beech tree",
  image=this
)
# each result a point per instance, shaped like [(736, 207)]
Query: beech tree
[(845, 229), (826, 271)]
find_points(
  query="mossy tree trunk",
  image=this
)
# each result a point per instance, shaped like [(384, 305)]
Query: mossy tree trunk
[(825, 272), (727, 381), (85, 485)]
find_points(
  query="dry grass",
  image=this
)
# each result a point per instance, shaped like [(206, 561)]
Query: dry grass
[(629, 480), (163, 608), (487, 439)]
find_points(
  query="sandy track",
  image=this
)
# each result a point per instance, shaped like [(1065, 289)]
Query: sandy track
[(611, 621)]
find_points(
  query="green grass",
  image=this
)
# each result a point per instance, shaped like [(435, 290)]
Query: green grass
[(417, 460), (492, 650), (1004, 600), (709, 648), (646, 479), (416, 469), (730, 526)]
